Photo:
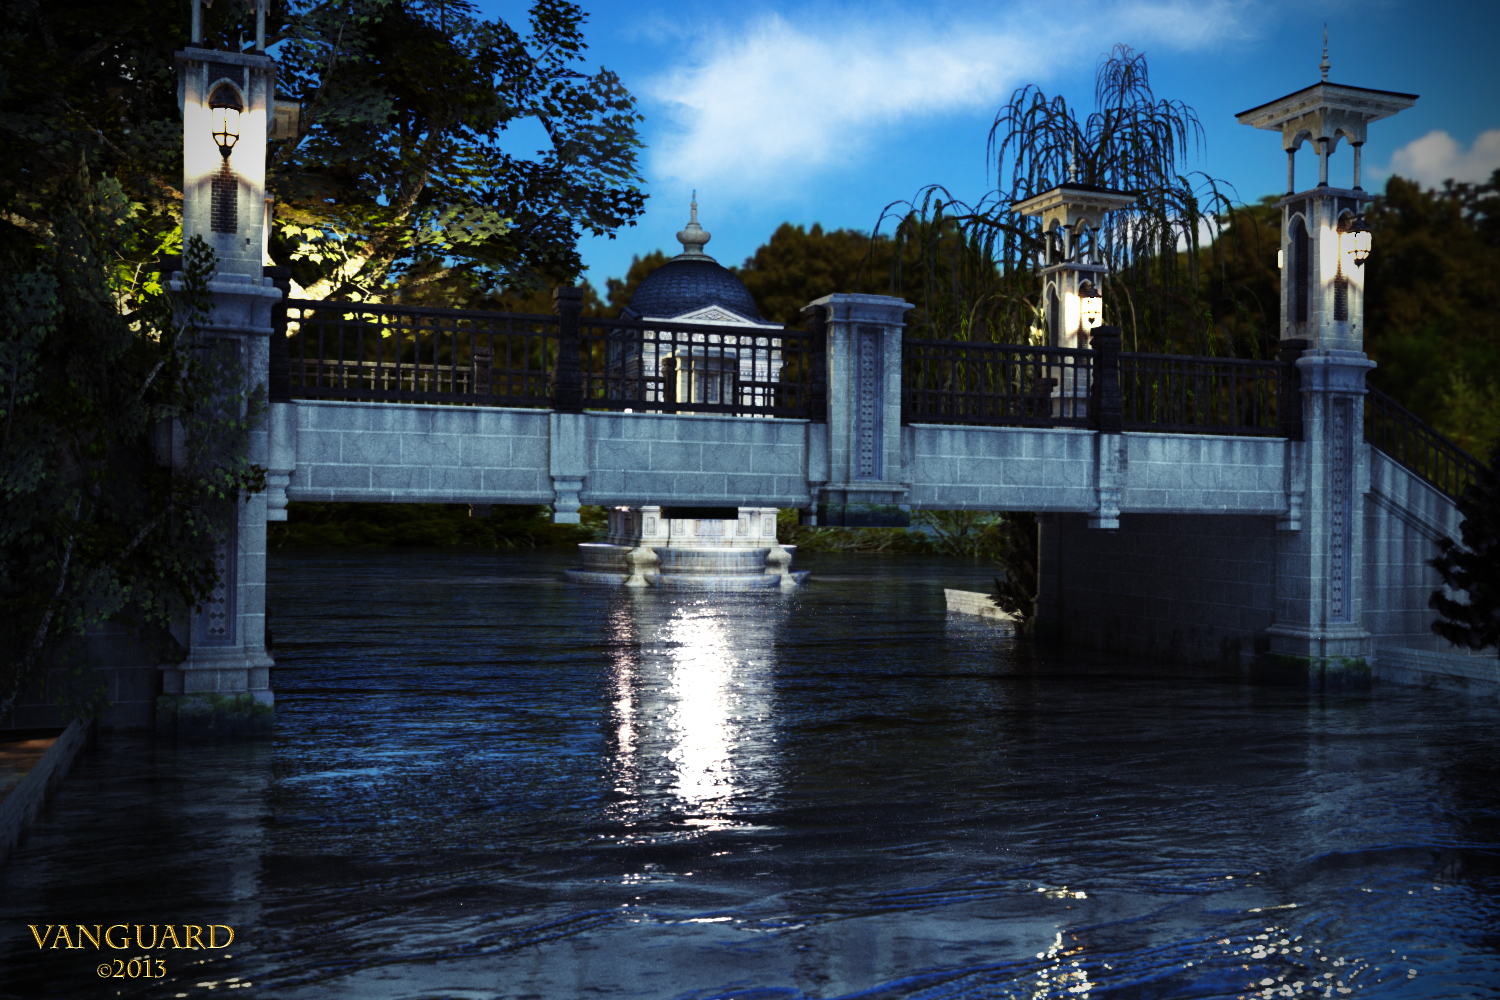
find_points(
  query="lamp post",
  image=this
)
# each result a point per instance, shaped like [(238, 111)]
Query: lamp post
[(1071, 215), (227, 100), (1320, 550), (1322, 301)]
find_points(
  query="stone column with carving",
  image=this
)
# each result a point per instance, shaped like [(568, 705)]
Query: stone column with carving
[(223, 687), (861, 486), (1317, 632)]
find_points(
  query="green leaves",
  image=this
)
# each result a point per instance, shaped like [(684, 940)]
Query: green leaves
[(123, 435), (1432, 312), (409, 155), (979, 262)]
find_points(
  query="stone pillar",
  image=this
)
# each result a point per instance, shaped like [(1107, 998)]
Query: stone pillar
[(223, 687), (1108, 417), (1317, 632), (862, 484), (282, 413), (568, 460)]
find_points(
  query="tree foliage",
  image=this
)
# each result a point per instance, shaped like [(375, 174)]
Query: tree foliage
[(1432, 312), (1472, 567), (1015, 592), (105, 513), (436, 144), (980, 260), (418, 120)]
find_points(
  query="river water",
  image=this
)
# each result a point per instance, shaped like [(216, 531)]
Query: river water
[(488, 783)]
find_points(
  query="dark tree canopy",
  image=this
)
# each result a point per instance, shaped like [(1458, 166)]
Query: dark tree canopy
[(101, 518), (412, 155), (980, 260), (1432, 315), (436, 143)]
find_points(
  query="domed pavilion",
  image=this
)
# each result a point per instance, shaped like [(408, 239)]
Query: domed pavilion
[(693, 548)]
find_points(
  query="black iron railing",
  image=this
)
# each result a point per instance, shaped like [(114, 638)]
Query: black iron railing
[(1413, 443), (1188, 395), (657, 367), (963, 382), (372, 352)]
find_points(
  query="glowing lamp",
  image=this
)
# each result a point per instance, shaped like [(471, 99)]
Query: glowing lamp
[(1356, 239), (224, 118), (1091, 305)]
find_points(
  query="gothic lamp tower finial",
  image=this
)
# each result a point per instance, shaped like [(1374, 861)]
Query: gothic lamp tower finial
[(694, 237), (1325, 64)]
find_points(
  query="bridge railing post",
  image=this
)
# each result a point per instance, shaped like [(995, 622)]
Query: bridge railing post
[(567, 461), (669, 384), (279, 379), (1289, 397), (567, 376), (855, 462), (1104, 391), (817, 396)]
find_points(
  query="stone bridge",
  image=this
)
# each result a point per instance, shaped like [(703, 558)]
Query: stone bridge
[(1267, 515)]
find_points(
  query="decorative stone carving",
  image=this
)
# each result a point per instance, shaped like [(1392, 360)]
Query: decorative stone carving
[(868, 386), (216, 620), (643, 563)]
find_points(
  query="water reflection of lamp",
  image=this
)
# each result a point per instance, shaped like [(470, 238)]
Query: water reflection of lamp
[(693, 699)]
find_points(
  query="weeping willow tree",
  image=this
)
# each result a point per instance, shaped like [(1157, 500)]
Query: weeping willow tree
[(979, 262)]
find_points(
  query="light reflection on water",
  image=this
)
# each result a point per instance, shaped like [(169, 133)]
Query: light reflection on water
[(692, 699), (486, 783)]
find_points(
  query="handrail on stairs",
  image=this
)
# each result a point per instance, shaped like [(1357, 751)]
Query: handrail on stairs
[(1417, 446)]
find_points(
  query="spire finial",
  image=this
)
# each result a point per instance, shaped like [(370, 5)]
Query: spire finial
[(1073, 163), (1324, 64), (693, 237)]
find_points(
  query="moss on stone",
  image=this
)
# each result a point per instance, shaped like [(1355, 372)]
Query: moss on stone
[(212, 715)]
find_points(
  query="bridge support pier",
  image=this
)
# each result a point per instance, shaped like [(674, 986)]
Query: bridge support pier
[(1318, 626), (223, 687)]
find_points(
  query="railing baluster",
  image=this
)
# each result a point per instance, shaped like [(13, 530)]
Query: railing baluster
[(1414, 444)]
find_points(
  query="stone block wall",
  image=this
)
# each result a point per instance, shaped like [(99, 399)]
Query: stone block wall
[(695, 459), (130, 677), (393, 452), (999, 468), (1201, 473), (1404, 518), (1186, 588)]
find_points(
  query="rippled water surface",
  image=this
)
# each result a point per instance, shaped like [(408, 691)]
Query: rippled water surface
[(488, 783)]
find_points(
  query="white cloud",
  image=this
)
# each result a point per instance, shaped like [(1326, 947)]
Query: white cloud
[(1436, 157), (781, 98)]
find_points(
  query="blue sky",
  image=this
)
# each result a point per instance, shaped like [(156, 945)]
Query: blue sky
[(825, 112)]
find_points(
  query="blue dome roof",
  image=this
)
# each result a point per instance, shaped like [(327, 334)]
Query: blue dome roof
[(683, 285)]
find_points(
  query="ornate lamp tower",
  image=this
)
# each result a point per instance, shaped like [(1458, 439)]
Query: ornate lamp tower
[(1323, 248), (227, 100), (1072, 215), (1324, 239)]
